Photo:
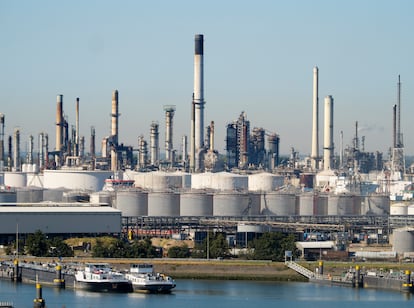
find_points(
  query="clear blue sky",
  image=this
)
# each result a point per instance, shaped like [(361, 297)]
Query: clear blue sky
[(259, 57)]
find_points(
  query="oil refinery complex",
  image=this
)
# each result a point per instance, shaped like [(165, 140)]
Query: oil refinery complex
[(66, 189)]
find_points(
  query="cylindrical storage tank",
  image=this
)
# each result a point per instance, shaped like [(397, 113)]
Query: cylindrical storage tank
[(255, 203), (163, 204), (321, 205), (265, 181), (54, 195), (132, 202), (29, 195), (376, 204), (158, 180), (403, 240), (231, 203), (103, 198), (15, 179), (76, 179), (8, 196), (196, 203), (224, 181), (410, 209), (280, 204), (306, 180), (306, 204), (342, 204), (398, 209), (34, 179), (75, 196)]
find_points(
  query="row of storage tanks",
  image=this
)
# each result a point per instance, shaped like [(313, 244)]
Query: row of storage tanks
[(204, 194)]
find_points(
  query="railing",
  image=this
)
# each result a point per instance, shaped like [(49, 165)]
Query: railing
[(300, 269)]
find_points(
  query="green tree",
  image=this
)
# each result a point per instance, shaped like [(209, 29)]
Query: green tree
[(37, 244), (179, 252), (216, 245), (58, 248), (272, 246)]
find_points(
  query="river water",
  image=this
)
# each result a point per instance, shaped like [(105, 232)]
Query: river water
[(210, 293)]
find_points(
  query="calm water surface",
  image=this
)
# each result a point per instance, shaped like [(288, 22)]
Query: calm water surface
[(207, 293)]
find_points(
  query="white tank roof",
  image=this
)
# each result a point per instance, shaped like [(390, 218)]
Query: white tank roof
[(219, 181)]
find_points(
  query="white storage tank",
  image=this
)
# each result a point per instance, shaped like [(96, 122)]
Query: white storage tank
[(196, 203), (103, 198), (410, 209), (132, 202), (75, 179), (341, 204), (219, 181), (15, 179), (54, 195), (158, 180), (321, 205), (307, 204), (227, 203), (165, 203), (29, 195), (278, 203), (75, 196), (376, 204), (403, 240), (398, 209), (265, 181)]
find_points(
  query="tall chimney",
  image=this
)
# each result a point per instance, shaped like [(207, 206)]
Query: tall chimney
[(59, 122), (1, 142), (77, 141), (199, 96), (315, 120), (92, 146), (328, 133), (16, 153), (212, 136)]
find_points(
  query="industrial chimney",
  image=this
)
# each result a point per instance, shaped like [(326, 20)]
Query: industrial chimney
[(198, 100), (315, 120), (328, 134), (169, 115)]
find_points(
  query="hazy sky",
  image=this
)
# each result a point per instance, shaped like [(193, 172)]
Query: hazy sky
[(258, 58)]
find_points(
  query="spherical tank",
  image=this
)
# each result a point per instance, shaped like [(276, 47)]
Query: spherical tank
[(403, 240), (15, 179), (376, 204), (306, 204), (132, 202), (196, 203), (342, 204), (398, 209), (321, 204), (280, 204), (76, 179), (29, 195), (265, 181), (102, 197), (8, 196), (306, 180), (163, 204), (158, 180)]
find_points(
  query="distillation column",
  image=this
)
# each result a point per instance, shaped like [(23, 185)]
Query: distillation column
[(1, 142), (169, 115), (154, 144), (328, 134), (114, 131)]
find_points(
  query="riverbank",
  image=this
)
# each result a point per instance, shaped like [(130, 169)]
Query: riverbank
[(228, 269)]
